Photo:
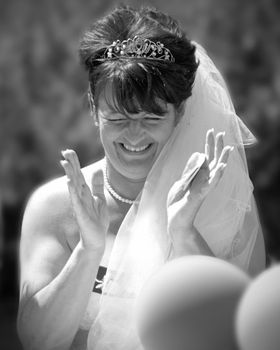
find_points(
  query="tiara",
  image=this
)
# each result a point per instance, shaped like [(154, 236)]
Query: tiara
[(138, 47)]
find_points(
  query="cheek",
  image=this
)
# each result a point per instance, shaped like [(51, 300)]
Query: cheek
[(159, 132), (108, 132), (163, 133)]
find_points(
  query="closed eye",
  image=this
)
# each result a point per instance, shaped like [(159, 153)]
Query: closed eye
[(154, 119), (116, 120)]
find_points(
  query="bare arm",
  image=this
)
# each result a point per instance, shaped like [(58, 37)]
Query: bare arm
[(185, 197), (55, 283), (195, 244)]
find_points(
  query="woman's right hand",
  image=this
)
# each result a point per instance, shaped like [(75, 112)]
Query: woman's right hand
[(90, 208)]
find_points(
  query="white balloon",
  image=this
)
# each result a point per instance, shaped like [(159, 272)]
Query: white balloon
[(190, 304), (258, 314)]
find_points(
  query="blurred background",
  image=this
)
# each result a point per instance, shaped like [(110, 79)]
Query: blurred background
[(43, 104)]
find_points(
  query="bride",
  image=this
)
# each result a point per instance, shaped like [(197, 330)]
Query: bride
[(174, 182)]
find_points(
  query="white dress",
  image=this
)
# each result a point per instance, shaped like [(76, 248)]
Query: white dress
[(230, 227), (80, 340)]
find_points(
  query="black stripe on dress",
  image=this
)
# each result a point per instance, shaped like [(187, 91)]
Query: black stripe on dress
[(98, 284)]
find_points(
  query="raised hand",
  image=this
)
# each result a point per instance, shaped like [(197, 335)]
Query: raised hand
[(89, 208), (202, 173)]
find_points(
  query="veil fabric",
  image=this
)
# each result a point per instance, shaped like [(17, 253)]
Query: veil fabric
[(142, 245)]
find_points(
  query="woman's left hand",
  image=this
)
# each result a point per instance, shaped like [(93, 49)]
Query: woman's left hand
[(202, 173)]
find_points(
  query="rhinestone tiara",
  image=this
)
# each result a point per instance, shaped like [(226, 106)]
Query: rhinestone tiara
[(138, 47)]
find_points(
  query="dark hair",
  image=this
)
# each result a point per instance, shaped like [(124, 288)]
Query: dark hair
[(138, 83)]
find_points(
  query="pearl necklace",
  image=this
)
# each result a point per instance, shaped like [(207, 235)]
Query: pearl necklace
[(112, 191)]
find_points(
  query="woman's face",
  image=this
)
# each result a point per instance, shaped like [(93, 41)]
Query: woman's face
[(133, 145)]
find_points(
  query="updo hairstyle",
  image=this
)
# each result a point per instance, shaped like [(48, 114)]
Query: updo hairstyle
[(138, 84)]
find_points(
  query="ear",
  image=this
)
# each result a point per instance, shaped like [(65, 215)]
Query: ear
[(92, 108), (180, 111)]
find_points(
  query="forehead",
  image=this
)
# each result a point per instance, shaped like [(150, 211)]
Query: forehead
[(107, 102)]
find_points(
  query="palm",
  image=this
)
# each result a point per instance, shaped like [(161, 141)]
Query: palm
[(202, 172), (89, 208)]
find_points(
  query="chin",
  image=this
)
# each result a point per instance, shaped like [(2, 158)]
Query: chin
[(134, 166), (136, 174), (133, 171)]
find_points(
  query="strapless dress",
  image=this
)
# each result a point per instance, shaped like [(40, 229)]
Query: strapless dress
[(80, 340)]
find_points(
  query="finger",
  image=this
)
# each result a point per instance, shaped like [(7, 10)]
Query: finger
[(196, 163), (210, 145), (219, 145), (77, 166), (75, 160), (97, 184), (193, 165), (176, 192), (66, 154), (70, 179), (215, 178), (225, 154), (69, 155), (201, 178), (72, 157), (68, 169)]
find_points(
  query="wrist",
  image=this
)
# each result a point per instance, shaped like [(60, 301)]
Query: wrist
[(190, 243), (179, 234), (182, 238), (90, 252)]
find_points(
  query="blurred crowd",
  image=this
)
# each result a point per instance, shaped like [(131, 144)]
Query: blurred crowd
[(43, 97)]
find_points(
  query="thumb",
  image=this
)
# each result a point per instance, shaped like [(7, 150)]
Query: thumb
[(195, 162), (97, 185), (202, 177)]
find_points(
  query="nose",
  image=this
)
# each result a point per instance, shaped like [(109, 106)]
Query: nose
[(134, 127)]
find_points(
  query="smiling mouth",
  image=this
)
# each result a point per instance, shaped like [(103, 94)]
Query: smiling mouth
[(129, 148)]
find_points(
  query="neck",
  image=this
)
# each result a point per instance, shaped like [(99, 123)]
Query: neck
[(125, 187)]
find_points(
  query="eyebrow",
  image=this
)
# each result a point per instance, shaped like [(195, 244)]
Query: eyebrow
[(111, 114), (114, 112), (111, 111)]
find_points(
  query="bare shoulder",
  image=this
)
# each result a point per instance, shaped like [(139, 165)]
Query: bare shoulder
[(49, 233), (90, 170), (49, 208)]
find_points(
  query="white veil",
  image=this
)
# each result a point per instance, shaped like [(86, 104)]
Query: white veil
[(142, 244)]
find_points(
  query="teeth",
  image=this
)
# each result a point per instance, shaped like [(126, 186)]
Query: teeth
[(135, 149)]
